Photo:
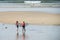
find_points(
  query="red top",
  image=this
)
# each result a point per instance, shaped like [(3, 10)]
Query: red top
[(23, 24)]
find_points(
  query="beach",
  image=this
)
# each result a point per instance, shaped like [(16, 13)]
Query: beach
[(42, 21), (30, 17)]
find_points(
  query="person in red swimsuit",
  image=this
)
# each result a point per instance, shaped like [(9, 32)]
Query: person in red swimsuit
[(23, 25)]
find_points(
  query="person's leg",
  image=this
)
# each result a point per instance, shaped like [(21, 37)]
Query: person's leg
[(17, 28), (24, 28)]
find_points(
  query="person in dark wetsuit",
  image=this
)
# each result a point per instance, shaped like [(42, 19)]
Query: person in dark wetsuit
[(17, 25), (23, 25)]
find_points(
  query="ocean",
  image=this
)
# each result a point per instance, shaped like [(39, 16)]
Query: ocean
[(47, 10)]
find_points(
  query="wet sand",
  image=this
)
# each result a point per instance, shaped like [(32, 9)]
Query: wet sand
[(30, 17), (33, 32)]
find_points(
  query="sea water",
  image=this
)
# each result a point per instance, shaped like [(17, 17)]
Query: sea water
[(47, 10)]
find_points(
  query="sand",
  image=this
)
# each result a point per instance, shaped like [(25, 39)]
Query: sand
[(30, 17)]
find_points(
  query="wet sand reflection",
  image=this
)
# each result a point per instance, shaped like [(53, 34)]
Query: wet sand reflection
[(23, 36), (19, 37)]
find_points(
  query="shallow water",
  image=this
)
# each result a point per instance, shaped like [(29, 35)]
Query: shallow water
[(33, 32), (48, 10)]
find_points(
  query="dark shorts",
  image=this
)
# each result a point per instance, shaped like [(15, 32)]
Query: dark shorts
[(17, 26), (23, 27)]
